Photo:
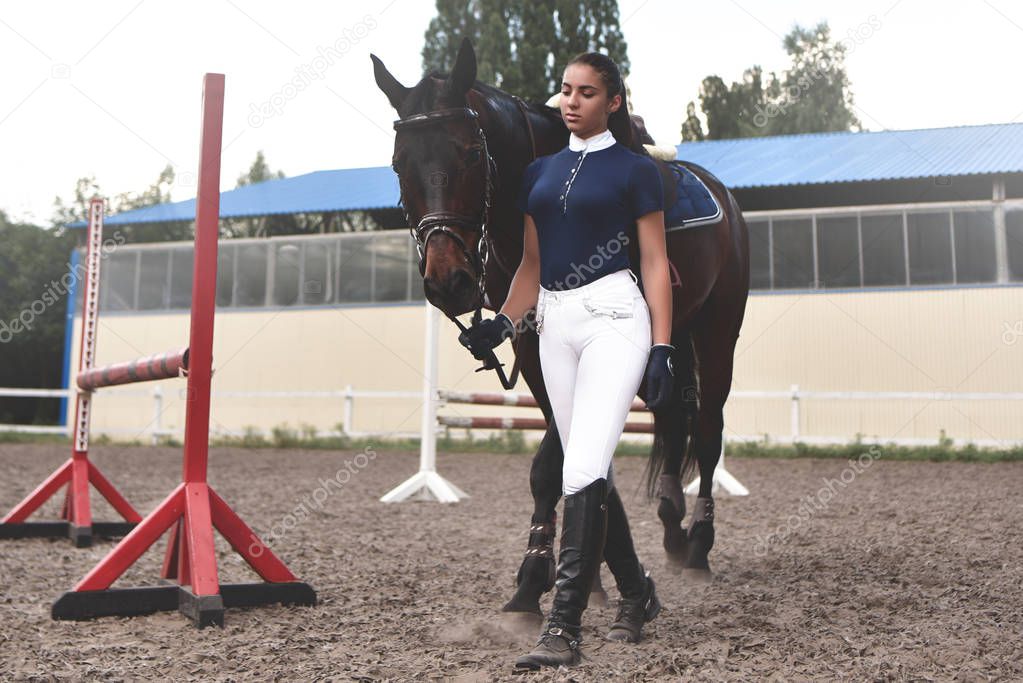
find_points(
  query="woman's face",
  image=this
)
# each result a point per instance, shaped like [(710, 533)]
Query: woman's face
[(585, 106)]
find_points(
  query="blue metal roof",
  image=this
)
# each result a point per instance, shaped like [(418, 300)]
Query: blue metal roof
[(347, 189), (742, 163), (856, 157)]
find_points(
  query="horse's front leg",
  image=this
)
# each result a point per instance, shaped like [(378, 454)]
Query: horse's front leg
[(536, 574)]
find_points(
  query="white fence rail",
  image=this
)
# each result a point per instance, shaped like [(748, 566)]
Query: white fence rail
[(156, 431), (18, 392), (349, 395)]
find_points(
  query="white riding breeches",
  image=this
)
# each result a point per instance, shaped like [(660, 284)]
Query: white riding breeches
[(594, 344)]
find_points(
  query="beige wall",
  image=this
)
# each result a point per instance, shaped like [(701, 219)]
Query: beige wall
[(916, 340), (944, 340)]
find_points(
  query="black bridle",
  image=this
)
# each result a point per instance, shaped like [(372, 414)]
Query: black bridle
[(441, 222)]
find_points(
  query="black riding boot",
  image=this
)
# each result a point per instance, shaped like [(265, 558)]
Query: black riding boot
[(583, 529), (639, 603)]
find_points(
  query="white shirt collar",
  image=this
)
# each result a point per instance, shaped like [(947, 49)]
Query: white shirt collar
[(591, 144)]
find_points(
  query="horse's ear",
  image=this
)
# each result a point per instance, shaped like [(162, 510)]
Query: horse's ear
[(464, 74), (395, 91)]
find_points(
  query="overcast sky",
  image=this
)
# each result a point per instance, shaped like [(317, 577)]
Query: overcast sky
[(112, 89)]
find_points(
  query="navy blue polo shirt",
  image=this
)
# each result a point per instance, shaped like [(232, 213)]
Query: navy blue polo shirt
[(585, 210)]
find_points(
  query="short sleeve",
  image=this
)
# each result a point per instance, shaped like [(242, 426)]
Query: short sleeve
[(645, 191), (528, 180)]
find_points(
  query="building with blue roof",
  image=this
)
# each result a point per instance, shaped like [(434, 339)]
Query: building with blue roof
[(792, 171), (886, 261)]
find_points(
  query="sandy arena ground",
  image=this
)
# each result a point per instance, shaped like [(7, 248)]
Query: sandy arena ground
[(910, 571)]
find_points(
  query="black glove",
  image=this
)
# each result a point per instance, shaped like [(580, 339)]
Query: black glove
[(485, 335), (660, 377)]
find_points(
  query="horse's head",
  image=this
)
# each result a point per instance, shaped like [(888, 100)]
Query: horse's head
[(446, 174)]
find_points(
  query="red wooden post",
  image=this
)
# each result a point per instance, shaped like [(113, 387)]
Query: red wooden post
[(77, 472), (193, 509)]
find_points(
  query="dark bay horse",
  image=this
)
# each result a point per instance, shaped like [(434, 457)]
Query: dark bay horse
[(460, 151)]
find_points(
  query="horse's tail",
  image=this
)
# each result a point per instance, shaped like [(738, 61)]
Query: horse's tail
[(672, 450)]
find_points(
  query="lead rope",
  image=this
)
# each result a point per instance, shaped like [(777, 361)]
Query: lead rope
[(492, 362)]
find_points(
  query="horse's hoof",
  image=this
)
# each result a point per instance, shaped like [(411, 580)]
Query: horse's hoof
[(676, 543), (701, 540), (676, 540), (523, 603)]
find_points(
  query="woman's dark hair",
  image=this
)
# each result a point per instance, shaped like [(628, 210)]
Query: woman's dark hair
[(619, 122)]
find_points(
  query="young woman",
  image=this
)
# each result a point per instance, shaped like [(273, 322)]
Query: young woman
[(599, 336)]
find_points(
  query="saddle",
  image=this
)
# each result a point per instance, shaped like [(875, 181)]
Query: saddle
[(689, 203)]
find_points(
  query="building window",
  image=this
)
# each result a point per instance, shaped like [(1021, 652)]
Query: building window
[(390, 265), (884, 255), (287, 272), (793, 254), (356, 270), (317, 276), (340, 269), (759, 254), (250, 275), (974, 246), (225, 275), (117, 280), (180, 295), (838, 247), (153, 274), (930, 248), (1014, 238)]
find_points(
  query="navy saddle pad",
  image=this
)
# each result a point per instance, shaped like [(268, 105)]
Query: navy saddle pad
[(694, 204)]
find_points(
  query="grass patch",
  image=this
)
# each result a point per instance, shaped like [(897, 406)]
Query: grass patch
[(22, 437), (944, 451), (516, 442)]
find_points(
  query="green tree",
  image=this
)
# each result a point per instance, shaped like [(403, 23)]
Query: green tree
[(159, 192), (66, 213), (816, 94), (813, 95), (34, 274), (258, 172), (522, 46), (731, 110), (692, 128)]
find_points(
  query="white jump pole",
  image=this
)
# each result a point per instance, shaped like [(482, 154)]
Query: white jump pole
[(723, 480), (427, 484)]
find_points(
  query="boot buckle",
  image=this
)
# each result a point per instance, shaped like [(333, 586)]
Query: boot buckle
[(560, 633)]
